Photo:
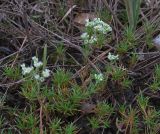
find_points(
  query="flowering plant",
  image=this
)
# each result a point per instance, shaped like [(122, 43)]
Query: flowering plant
[(112, 57), (38, 74), (95, 32), (98, 26), (99, 77)]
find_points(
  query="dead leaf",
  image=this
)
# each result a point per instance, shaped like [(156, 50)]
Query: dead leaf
[(88, 108), (85, 77), (86, 82), (80, 19)]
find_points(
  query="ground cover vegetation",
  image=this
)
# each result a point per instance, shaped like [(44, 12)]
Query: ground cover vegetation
[(79, 67)]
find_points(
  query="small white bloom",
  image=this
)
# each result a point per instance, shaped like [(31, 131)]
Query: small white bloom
[(23, 66), (26, 70), (41, 79), (86, 41), (37, 77), (89, 23), (98, 26), (87, 20), (36, 63), (99, 77), (112, 57), (92, 40), (35, 59), (46, 73), (102, 28), (85, 36)]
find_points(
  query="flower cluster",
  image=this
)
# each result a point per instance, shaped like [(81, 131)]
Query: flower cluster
[(26, 70), (87, 39), (112, 57), (40, 76), (98, 26), (36, 63), (94, 29), (99, 77)]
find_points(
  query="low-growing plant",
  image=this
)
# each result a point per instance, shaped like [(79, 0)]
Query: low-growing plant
[(143, 102), (103, 112), (126, 83), (128, 42), (123, 47), (67, 107), (69, 103), (106, 123), (129, 120), (154, 86), (118, 75), (103, 109), (94, 122), (94, 35), (151, 120), (27, 121), (12, 72), (55, 126), (133, 59), (129, 37), (70, 129), (2, 99), (105, 15), (60, 51), (2, 119), (61, 78), (149, 30), (150, 114)]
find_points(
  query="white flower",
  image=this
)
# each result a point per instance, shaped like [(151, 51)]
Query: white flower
[(99, 77), (89, 23), (37, 77), (89, 40), (98, 25), (46, 73), (87, 20), (102, 27), (36, 63), (85, 36), (23, 66), (92, 40), (26, 70), (41, 79), (40, 75), (112, 57), (35, 59)]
